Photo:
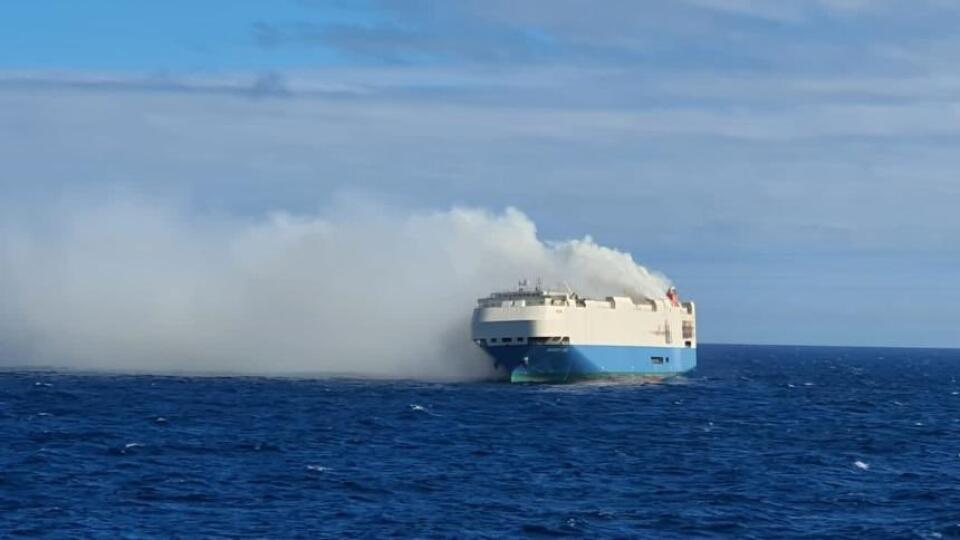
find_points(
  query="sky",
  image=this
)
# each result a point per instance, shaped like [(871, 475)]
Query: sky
[(790, 165)]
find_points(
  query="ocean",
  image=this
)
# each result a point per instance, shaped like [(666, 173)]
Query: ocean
[(759, 442)]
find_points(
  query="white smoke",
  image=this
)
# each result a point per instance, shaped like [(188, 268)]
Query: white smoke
[(360, 290)]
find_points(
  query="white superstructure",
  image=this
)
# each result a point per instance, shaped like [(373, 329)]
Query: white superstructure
[(527, 316)]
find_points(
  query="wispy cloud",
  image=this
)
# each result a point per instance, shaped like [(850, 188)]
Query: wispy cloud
[(761, 162), (264, 84), (837, 36)]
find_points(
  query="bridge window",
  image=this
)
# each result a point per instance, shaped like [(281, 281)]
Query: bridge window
[(506, 340)]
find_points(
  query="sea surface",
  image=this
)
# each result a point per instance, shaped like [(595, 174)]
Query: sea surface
[(760, 442)]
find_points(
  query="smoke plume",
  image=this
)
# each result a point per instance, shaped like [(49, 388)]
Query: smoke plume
[(360, 290)]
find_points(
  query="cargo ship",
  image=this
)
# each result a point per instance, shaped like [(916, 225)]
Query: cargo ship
[(556, 336)]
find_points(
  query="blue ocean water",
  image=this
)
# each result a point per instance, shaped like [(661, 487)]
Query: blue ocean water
[(760, 442)]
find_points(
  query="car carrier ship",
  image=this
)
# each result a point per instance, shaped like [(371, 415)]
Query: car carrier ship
[(538, 335)]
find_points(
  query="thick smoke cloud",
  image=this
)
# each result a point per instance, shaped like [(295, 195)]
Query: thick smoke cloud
[(360, 290)]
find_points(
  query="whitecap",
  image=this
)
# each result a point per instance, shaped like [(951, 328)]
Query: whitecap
[(861, 465), (318, 468), (418, 408), (132, 445)]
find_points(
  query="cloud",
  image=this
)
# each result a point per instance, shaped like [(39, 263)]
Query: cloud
[(555, 104), (253, 85), (835, 36), (747, 156), (801, 12)]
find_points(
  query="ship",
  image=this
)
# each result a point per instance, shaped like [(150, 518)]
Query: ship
[(537, 335)]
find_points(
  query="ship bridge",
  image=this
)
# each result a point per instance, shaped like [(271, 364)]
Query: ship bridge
[(523, 297)]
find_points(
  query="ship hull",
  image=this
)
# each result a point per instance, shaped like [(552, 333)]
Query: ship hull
[(570, 363)]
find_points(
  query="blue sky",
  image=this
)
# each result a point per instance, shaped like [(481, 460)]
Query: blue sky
[(791, 165)]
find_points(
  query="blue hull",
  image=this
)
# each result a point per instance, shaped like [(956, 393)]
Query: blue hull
[(568, 363)]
